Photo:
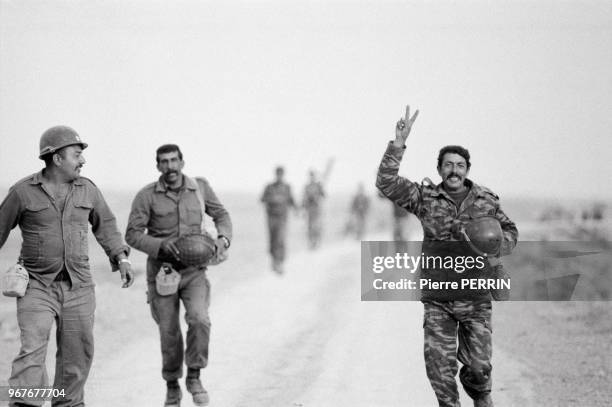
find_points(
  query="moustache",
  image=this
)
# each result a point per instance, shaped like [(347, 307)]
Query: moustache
[(453, 175)]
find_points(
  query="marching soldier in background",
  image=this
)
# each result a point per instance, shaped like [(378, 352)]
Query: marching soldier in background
[(53, 209), (444, 210), (277, 199), (312, 204), (359, 211), (163, 211), (400, 217)]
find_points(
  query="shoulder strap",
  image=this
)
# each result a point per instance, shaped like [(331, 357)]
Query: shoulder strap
[(200, 197)]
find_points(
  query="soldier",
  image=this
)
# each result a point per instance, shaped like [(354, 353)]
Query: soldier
[(359, 210), (278, 199), (53, 209), (399, 220), (167, 209), (442, 210), (312, 203), (400, 216)]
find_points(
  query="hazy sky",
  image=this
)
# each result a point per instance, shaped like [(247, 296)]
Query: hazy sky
[(241, 87)]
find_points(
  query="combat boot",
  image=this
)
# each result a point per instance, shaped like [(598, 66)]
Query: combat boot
[(194, 386), (485, 401), (173, 395)]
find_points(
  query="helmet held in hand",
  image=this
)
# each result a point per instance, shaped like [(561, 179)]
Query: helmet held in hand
[(484, 235), (195, 249)]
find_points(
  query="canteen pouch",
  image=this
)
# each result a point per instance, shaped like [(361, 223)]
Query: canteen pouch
[(15, 281), (167, 280)]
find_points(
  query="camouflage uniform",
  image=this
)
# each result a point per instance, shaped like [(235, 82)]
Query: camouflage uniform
[(278, 199), (313, 195), (447, 318)]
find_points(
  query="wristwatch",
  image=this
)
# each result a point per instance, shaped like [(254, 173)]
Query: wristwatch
[(226, 241), (125, 261)]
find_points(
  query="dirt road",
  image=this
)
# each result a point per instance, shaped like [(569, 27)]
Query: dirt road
[(303, 339)]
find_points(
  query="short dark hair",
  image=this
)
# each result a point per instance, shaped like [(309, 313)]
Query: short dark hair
[(168, 148), (454, 150)]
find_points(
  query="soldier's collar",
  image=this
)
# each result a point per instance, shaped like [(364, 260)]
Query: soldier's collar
[(38, 179), (187, 183), (440, 191)]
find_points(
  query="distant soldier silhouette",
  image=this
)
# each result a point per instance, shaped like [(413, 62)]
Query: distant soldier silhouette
[(312, 204), (277, 199), (400, 217), (360, 205)]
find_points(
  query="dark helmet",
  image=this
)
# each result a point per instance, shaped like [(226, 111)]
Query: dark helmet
[(195, 249), (484, 235), (57, 138)]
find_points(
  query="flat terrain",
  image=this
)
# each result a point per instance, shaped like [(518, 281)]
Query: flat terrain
[(305, 338)]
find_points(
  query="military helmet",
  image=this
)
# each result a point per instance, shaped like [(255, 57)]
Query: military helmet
[(484, 235), (195, 249), (58, 137)]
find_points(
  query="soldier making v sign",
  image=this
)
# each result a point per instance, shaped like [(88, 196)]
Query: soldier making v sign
[(444, 210)]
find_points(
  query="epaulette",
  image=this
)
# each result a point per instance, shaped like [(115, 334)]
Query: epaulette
[(88, 180), (488, 191), (150, 185), (201, 179), (25, 179), (427, 183)]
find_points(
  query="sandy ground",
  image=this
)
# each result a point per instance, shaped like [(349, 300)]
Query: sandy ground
[(305, 339), (302, 339)]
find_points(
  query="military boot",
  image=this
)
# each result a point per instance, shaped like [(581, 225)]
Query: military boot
[(194, 386), (173, 394), (485, 401)]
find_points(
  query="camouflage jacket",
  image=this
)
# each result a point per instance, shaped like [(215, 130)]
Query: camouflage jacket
[(438, 213)]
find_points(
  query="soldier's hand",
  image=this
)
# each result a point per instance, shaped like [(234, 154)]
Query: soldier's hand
[(169, 249), (494, 261), (220, 246), (403, 126), (220, 251), (127, 276)]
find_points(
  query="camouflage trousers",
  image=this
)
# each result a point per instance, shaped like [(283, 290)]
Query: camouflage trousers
[(470, 323)]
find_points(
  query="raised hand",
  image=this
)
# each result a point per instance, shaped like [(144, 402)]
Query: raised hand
[(403, 126)]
